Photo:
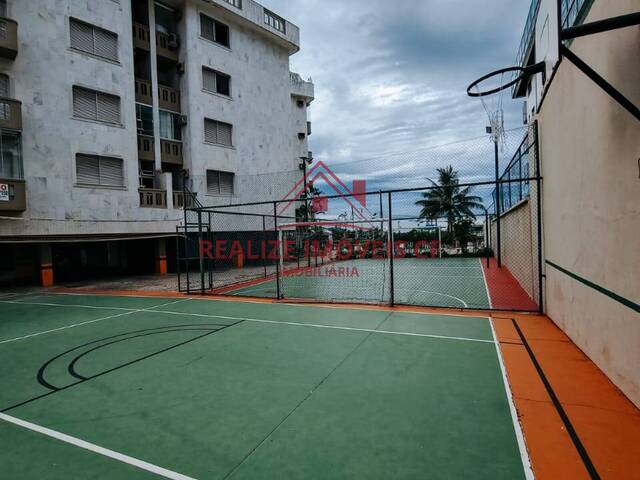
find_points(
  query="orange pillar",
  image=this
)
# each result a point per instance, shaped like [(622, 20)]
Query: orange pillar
[(161, 256), (46, 265)]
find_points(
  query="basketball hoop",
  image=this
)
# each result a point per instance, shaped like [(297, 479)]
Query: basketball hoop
[(494, 83)]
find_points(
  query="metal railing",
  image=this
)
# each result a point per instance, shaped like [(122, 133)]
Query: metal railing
[(515, 186), (528, 34), (573, 11)]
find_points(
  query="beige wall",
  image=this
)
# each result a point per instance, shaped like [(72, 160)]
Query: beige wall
[(519, 244), (590, 148)]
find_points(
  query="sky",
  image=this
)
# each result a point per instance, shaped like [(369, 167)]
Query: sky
[(390, 80)]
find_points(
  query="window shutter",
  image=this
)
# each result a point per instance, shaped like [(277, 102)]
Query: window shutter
[(87, 170), (226, 184), (81, 36), (108, 108), (213, 182), (106, 44), (225, 134), (208, 80), (84, 103), (207, 28), (4, 85), (111, 172), (210, 131)]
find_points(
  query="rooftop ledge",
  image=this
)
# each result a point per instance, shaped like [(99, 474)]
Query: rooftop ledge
[(254, 13)]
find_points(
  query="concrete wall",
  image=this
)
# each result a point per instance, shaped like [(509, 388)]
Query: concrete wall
[(520, 245), (590, 148)]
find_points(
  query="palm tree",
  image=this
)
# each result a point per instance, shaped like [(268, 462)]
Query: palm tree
[(447, 199)]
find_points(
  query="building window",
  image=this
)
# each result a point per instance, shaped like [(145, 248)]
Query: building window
[(220, 183), (11, 155), (3, 8), (144, 119), (97, 106), (213, 30), (274, 21), (216, 82), (218, 133), (170, 128), (93, 40), (99, 171)]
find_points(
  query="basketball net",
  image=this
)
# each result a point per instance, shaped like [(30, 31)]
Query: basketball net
[(492, 105)]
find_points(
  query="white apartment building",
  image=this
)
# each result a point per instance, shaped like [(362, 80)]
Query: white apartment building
[(106, 105)]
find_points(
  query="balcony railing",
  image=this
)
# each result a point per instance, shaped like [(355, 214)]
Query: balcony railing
[(179, 200), (171, 151), (146, 149), (143, 92), (13, 196), (169, 98), (10, 113), (167, 45), (141, 37), (152, 198), (8, 38), (573, 12)]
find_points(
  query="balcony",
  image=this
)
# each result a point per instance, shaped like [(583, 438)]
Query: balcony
[(169, 98), (152, 198), (13, 196), (301, 88), (167, 45), (171, 152), (141, 37), (10, 113), (8, 38), (179, 200), (143, 92), (146, 149)]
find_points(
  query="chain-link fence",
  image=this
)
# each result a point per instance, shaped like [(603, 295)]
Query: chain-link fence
[(459, 229)]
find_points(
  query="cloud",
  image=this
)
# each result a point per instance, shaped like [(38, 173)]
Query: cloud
[(391, 80)]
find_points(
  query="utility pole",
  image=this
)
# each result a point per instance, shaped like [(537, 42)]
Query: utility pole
[(304, 161)]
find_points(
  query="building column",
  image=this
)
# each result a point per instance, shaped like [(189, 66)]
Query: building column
[(161, 256), (46, 265)]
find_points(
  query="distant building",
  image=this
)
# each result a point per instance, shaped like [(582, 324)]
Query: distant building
[(105, 104)]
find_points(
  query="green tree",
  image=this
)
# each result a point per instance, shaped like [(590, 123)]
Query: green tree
[(447, 199), (463, 232)]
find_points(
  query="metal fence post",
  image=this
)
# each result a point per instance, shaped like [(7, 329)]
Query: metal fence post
[(200, 257), (263, 246), (391, 254), (539, 213), (275, 223), (498, 204)]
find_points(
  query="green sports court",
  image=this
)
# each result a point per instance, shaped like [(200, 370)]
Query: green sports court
[(133, 387)]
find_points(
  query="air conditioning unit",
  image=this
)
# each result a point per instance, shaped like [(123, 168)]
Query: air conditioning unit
[(180, 68), (302, 136), (174, 41), (310, 154), (183, 120)]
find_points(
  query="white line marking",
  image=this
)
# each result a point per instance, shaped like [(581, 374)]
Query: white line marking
[(331, 327), (524, 454), (163, 472), (486, 285), (255, 320), (129, 312)]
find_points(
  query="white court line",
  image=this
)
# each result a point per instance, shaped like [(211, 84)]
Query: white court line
[(163, 472), (486, 285), (330, 327), (129, 312), (254, 320), (522, 446)]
